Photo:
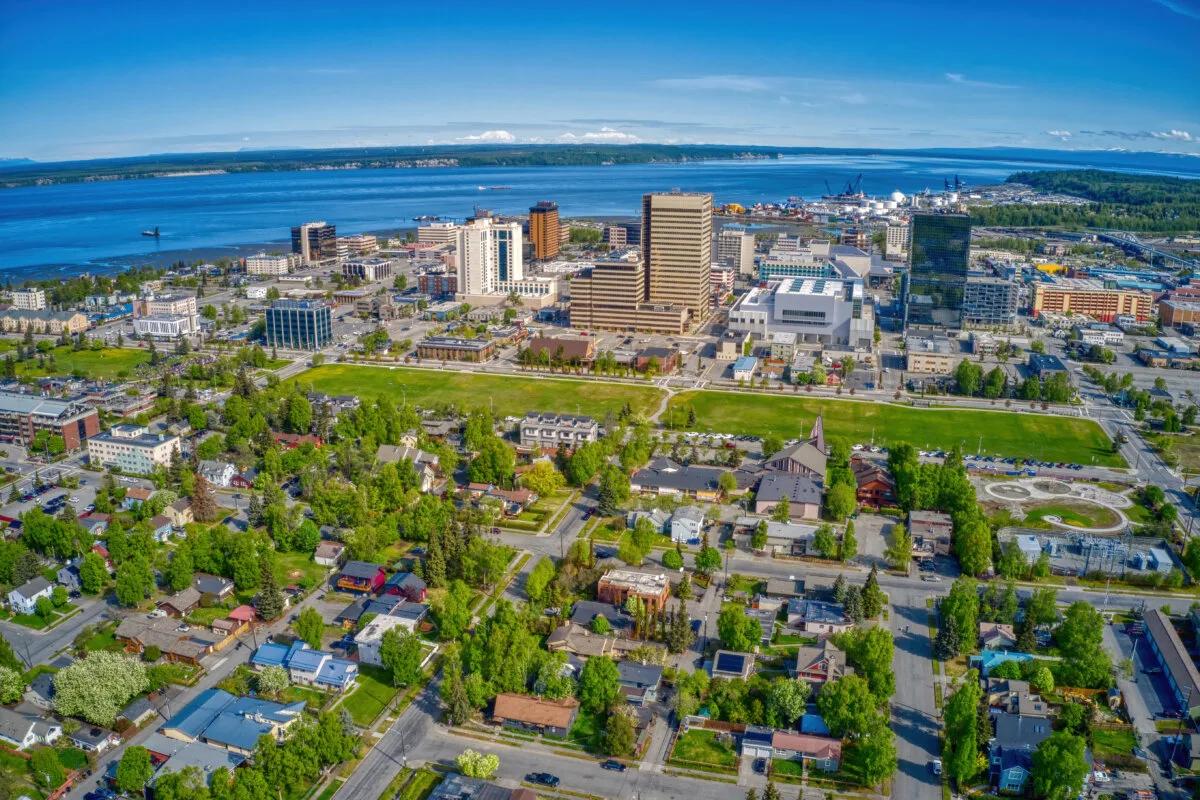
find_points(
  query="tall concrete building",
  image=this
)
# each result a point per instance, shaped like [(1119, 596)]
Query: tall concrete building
[(939, 256), (735, 249), (314, 241), (610, 295), (33, 299), (544, 230), (677, 250), (489, 254), (895, 245)]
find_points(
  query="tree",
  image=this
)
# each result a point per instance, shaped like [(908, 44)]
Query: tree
[(620, 732), (824, 542), (708, 559), (458, 706), (786, 701), (400, 652), (181, 570), (494, 463), (968, 377), (8, 658), (539, 579), (960, 750), (1059, 766), (204, 501), (134, 770), (45, 608), (671, 559), (771, 444), (135, 581), (310, 627), (553, 681), (727, 483), (873, 597), (12, 685), (453, 611), (1085, 663), (679, 636), (738, 631), (847, 705), (849, 548), (948, 642), (477, 765), (870, 650), (899, 550), (543, 478), (599, 684), (47, 770), (600, 625), (92, 573), (95, 688), (271, 680), (782, 512), (770, 791), (874, 753), (758, 539), (269, 602), (613, 491), (973, 545), (840, 501), (962, 604), (1042, 607), (1041, 679)]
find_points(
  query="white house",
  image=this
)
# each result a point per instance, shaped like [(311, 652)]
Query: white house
[(217, 473), (687, 523), (23, 731), (23, 599), (370, 638)]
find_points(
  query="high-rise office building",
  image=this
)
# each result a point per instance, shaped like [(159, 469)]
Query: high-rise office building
[(990, 300), (939, 254), (677, 250), (489, 254), (735, 249), (299, 324), (896, 243), (544, 230), (610, 295), (315, 241)]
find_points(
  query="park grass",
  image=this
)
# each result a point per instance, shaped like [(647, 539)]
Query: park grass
[(371, 696), (698, 746), (504, 394), (1081, 515), (107, 363), (1041, 436)]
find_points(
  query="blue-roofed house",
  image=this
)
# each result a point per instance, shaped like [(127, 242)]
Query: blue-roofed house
[(307, 666), (218, 718), (988, 660), (269, 654)]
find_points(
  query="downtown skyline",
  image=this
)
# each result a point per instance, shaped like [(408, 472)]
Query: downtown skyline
[(132, 78)]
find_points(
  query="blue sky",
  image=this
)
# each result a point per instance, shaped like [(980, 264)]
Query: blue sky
[(88, 79)]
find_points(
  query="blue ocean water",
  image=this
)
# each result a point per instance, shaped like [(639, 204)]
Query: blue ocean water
[(74, 227)]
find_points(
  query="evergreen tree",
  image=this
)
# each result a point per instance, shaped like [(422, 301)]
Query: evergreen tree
[(873, 597), (849, 544), (949, 641), (204, 501), (839, 588), (435, 561), (270, 598), (854, 604), (458, 706)]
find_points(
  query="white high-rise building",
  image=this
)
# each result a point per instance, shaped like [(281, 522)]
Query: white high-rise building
[(735, 249), (896, 244), (29, 299), (437, 233), (263, 264), (489, 255)]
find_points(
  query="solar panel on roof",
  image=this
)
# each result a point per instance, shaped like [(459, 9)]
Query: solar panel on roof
[(729, 662)]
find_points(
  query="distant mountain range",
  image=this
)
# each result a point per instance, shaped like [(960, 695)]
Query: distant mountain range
[(18, 172)]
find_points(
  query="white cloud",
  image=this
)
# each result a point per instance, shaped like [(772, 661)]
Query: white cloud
[(605, 134), (854, 99), (720, 83), (963, 80), (1182, 136), (489, 136), (1180, 7), (1060, 135)]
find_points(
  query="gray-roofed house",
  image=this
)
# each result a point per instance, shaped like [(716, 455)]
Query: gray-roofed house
[(1178, 667), (218, 587), (182, 602), (802, 492), (41, 690), (816, 616), (687, 524), (23, 599), (92, 739), (1010, 751), (662, 476), (585, 611), (657, 517), (639, 682), (217, 473), (25, 730)]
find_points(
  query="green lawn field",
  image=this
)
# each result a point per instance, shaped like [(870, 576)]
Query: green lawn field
[(505, 395), (106, 363), (1038, 436)]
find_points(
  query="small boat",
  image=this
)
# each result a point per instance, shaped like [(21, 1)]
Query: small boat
[(493, 188), (153, 233)]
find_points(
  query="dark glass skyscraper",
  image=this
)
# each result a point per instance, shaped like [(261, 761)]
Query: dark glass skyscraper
[(939, 253)]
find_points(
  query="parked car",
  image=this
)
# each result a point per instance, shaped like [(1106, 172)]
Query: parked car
[(760, 765), (613, 764), (543, 779), (935, 766)]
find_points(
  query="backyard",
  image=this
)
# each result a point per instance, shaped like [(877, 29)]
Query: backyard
[(703, 749), (1040, 436), (504, 395), (371, 696)]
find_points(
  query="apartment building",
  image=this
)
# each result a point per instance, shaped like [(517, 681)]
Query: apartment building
[(132, 448), (544, 232), (1092, 298), (32, 299), (552, 430), (272, 265), (735, 250), (23, 415)]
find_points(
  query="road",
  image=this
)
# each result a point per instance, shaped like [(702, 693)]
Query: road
[(915, 719), (40, 647)]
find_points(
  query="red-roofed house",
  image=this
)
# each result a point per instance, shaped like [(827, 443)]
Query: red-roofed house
[(820, 752)]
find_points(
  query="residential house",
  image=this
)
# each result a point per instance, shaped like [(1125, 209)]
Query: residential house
[(138, 711), (23, 599), (135, 496), (658, 518), (585, 611), (876, 487), (406, 585), (1012, 696), (217, 473), (220, 719), (349, 616), (639, 682), (554, 717), (931, 531), (95, 524), (190, 645), (819, 752), (41, 691), (361, 576), (802, 493), (22, 731), (996, 636), (577, 640), (181, 603), (817, 616), (765, 617), (756, 742), (180, 512), (161, 527), (784, 588), (329, 554), (783, 538), (370, 639), (806, 457), (1010, 751), (68, 576), (424, 463), (218, 587), (290, 441), (618, 585), (93, 739), (820, 664), (459, 787), (687, 524), (306, 666), (172, 755), (988, 660), (731, 664)]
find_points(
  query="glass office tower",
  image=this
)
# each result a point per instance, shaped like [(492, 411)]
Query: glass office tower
[(939, 253), (299, 324)]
